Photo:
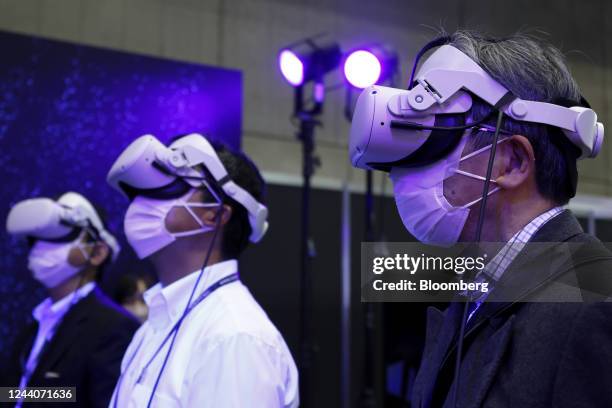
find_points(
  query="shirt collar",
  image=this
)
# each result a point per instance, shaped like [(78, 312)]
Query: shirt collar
[(167, 304), (502, 260), (48, 309)]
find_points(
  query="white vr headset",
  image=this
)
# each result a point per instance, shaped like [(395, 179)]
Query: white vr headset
[(49, 220), (146, 166), (397, 127)]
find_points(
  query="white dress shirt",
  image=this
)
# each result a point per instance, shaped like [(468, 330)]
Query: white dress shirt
[(227, 352), (48, 315)]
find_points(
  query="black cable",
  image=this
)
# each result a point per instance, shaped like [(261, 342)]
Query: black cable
[(485, 189), (396, 124), (381, 209), (218, 216), (481, 215)]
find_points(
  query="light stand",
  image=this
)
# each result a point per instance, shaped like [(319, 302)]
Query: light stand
[(383, 62), (307, 61), (306, 135), (373, 385)]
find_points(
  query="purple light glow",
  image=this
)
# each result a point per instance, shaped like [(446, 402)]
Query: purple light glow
[(291, 67), (319, 92), (362, 69)]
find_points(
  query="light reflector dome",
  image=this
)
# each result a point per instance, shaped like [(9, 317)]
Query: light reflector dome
[(309, 59), (369, 65), (291, 67), (362, 69)]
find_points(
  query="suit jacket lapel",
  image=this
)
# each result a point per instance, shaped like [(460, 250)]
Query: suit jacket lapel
[(65, 335), (522, 277), (489, 357), (28, 342), (441, 334)]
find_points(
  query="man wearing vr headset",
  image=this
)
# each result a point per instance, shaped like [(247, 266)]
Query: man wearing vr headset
[(206, 342), (483, 148), (79, 334)]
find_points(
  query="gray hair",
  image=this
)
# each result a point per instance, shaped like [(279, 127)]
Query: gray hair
[(534, 70), (530, 68)]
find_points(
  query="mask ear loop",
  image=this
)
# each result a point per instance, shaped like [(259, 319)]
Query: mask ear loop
[(482, 149), (476, 176), (188, 207), (83, 245), (471, 203), (87, 228), (481, 215)]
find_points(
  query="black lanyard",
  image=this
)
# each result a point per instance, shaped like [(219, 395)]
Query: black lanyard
[(218, 284)]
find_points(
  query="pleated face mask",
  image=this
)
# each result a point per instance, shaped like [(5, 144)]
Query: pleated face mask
[(48, 261), (145, 223), (420, 201)]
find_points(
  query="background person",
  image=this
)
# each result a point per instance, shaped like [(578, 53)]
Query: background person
[(79, 334), (192, 206), (129, 293)]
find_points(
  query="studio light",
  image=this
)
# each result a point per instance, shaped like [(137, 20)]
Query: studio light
[(366, 66), (291, 67), (309, 60), (362, 69), (304, 65)]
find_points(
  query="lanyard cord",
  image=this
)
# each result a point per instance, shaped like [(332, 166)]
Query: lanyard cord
[(481, 215), (188, 308), (222, 282), (218, 215)]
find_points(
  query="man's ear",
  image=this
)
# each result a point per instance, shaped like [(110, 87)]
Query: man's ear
[(99, 253), (210, 216), (518, 162)]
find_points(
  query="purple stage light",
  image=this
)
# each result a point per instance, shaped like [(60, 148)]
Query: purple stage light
[(291, 67), (309, 60), (362, 69)]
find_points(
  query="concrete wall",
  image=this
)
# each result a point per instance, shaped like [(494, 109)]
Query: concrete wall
[(246, 34)]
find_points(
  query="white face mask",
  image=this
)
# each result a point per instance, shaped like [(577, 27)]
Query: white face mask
[(145, 223), (419, 196), (49, 264)]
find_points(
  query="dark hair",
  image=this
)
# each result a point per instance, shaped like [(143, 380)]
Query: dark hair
[(244, 173), (127, 285), (533, 70), (104, 266)]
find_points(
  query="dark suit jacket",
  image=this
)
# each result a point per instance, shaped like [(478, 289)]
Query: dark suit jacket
[(530, 352), (85, 352)]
